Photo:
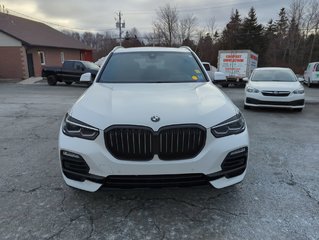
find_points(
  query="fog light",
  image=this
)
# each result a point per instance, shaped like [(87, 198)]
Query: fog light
[(238, 151), (69, 154)]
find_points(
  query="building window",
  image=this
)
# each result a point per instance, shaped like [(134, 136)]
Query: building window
[(42, 57), (62, 57)]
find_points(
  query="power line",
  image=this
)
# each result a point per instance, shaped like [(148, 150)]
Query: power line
[(199, 8), (56, 24)]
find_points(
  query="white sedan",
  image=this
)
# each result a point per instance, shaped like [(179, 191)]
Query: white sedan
[(274, 87)]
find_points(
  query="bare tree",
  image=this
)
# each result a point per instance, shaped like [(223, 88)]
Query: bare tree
[(297, 10), (134, 32), (211, 25), (314, 24), (89, 39), (187, 27), (72, 34), (166, 24), (295, 14)]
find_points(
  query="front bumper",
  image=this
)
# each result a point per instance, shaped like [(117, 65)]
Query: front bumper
[(210, 165), (259, 100)]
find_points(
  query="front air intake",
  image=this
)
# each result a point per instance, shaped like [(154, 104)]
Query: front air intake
[(235, 163), (73, 166)]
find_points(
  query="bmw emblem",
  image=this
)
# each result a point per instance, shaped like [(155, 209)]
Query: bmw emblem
[(155, 118)]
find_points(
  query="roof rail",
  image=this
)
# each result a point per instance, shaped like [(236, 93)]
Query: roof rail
[(117, 47), (186, 47)]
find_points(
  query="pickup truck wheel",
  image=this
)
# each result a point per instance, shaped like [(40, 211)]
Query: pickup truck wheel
[(52, 80), (68, 83)]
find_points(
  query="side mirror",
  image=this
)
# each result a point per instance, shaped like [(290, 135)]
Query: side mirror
[(86, 77), (245, 79), (300, 79), (219, 76)]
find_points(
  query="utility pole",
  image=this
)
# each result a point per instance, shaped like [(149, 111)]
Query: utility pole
[(119, 24)]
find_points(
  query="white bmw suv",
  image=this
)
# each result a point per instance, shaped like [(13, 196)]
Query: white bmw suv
[(152, 118)]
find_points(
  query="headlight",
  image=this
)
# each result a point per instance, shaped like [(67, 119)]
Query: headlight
[(252, 90), (233, 125), (75, 128), (299, 91)]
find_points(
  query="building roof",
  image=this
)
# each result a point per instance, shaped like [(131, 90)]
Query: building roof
[(37, 34)]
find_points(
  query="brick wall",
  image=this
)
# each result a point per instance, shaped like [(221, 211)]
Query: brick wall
[(12, 63), (52, 57), (13, 60)]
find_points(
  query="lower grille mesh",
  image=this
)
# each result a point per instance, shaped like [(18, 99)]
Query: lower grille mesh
[(155, 180)]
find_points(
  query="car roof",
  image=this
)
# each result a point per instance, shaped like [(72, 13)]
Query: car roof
[(271, 68), (151, 49)]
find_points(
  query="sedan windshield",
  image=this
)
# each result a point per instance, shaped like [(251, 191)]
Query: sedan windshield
[(152, 67), (282, 75)]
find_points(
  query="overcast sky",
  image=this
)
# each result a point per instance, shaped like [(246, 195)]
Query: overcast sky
[(99, 15)]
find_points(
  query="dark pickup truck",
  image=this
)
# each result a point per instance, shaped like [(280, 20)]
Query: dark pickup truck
[(70, 72)]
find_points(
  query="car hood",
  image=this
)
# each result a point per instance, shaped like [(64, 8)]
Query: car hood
[(275, 86), (103, 105)]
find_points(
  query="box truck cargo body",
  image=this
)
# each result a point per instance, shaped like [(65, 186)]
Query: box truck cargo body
[(236, 64)]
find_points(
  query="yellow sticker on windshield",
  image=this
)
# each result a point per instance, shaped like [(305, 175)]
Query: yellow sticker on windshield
[(197, 71), (195, 78)]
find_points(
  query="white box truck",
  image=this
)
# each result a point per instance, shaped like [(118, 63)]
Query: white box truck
[(237, 65)]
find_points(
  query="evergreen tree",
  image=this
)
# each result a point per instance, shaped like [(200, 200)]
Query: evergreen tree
[(251, 33), (205, 48), (215, 36), (270, 44), (229, 38), (270, 29), (281, 26), (190, 43), (293, 43)]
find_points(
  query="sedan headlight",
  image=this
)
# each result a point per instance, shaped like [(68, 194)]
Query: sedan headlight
[(252, 90), (233, 125), (75, 128), (299, 91)]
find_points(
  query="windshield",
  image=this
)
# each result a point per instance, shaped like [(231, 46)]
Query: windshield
[(151, 67), (91, 65), (282, 75)]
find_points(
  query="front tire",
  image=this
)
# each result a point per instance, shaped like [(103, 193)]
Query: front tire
[(298, 109), (68, 83), (52, 80)]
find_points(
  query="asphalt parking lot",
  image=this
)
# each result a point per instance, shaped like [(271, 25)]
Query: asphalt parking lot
[(279, 198)]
